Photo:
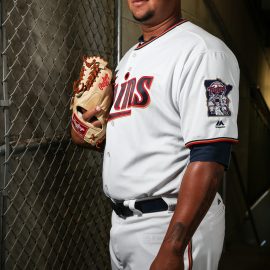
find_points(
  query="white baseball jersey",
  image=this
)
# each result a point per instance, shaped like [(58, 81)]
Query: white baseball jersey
[(177, 90)]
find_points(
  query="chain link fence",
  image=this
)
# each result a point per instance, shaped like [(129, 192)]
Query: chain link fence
[(53, 212)]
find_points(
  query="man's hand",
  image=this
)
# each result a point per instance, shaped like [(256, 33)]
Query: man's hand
[(90, 117)]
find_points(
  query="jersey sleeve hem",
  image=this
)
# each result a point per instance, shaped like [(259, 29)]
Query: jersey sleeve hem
[(213, 140)]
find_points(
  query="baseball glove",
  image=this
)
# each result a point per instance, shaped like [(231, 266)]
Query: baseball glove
[(93, 89)]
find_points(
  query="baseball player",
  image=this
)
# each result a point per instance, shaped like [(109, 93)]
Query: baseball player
[(168, 142)]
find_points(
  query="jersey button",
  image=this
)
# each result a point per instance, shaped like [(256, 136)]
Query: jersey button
[(108, 154), (112, 123)]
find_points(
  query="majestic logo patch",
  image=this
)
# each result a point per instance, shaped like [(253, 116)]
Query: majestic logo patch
[(217, 97)]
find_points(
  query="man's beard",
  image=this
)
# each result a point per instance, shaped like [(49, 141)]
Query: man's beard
[(148, 15)]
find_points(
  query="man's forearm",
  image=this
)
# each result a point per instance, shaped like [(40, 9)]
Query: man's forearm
[(198, 189)]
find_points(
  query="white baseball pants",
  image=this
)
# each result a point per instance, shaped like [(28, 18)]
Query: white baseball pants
[(135, 241)]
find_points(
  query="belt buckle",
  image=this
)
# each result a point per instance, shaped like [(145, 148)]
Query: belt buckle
[(119, 209), (131, 205)]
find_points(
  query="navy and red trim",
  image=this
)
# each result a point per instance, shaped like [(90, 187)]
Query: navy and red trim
[(141, 45), (213, 140)]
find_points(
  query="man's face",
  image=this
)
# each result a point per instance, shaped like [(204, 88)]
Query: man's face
[(152, 11)]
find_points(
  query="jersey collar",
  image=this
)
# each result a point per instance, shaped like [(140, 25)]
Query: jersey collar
[(141, 40), (143, 43)]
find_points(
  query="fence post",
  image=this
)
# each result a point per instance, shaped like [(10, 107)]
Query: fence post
[(4, 105), (118, 28)]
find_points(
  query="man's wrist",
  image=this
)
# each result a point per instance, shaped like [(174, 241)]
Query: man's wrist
[(176, 239)]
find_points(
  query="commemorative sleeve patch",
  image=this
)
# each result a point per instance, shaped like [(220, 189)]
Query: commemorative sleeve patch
[(217, 97)]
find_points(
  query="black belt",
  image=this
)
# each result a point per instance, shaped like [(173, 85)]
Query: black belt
[(146, 206)]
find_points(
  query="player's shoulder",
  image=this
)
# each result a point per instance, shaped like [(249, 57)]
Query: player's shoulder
[(197, 41), (192, 36), (202, 39)]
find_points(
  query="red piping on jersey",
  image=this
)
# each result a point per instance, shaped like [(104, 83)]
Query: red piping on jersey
[(212, 141), (163, 33), (190, 258)]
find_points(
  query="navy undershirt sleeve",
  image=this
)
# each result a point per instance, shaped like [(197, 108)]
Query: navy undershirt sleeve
[(219, 152)]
